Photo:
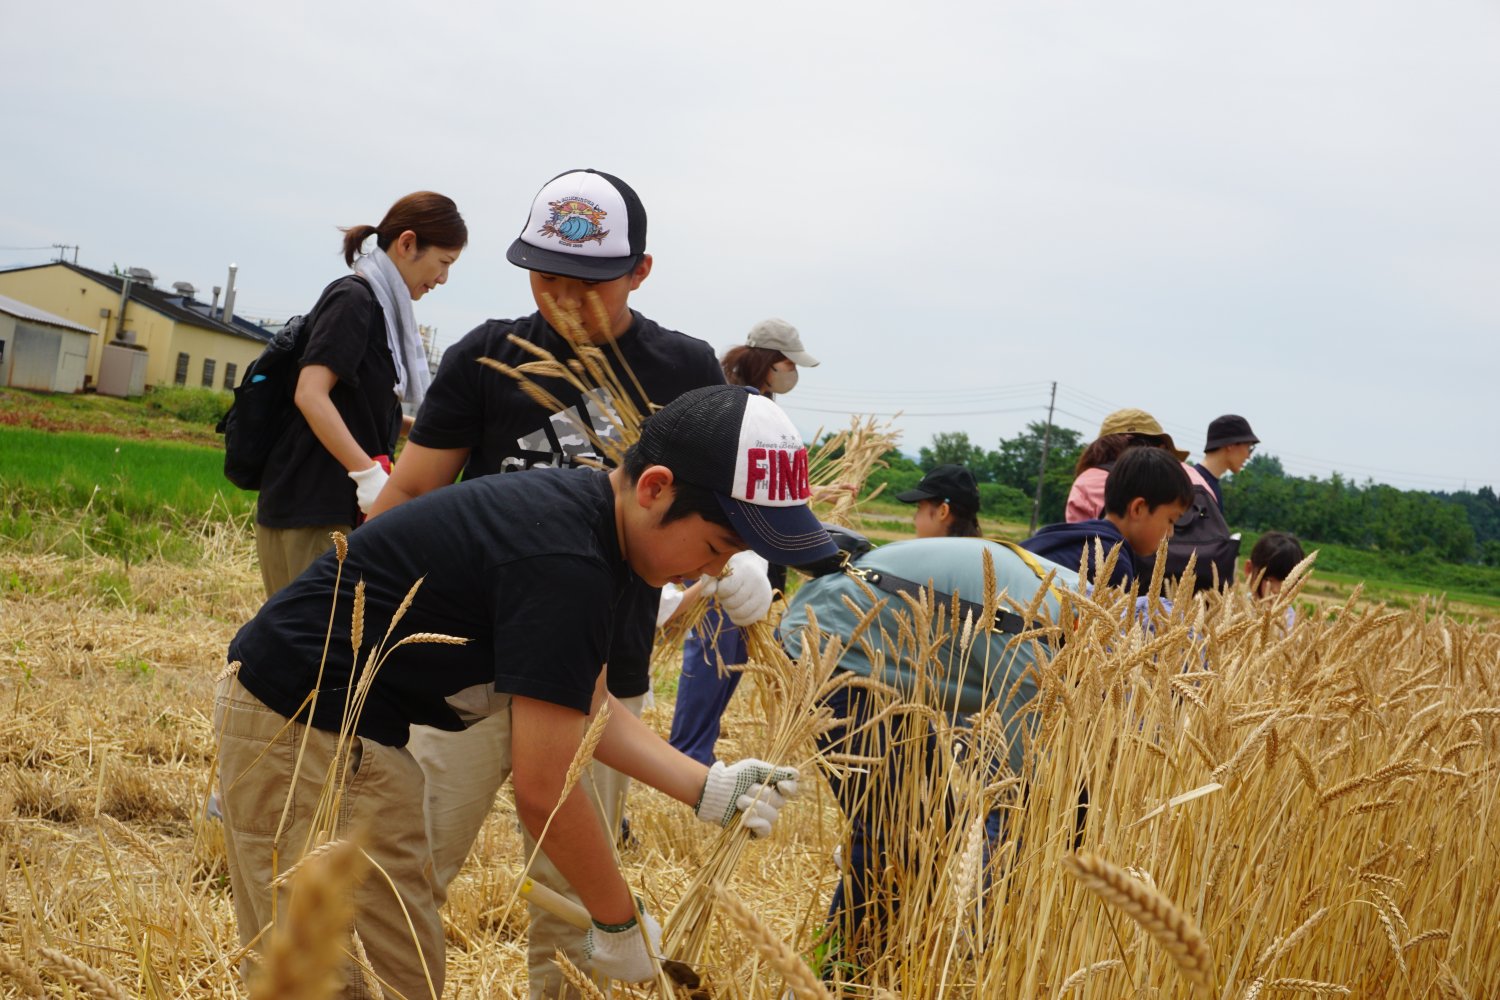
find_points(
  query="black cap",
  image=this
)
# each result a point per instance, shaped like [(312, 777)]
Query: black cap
[(1229, 429), (583, 224), (953, 484), (743, 448)]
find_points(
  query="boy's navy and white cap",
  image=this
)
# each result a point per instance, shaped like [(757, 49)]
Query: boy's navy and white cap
[(779, 335), (583, 224), (742, 447)]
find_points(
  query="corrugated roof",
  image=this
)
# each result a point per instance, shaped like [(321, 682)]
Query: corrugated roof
[(31, 314), (169, 304)]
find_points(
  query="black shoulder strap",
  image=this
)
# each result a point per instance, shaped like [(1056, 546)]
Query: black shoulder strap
[(1007, 622)]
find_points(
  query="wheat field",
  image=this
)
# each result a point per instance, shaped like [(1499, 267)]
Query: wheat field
[(1273, 811)]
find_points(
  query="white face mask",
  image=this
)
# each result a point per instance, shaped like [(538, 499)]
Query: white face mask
[(782, 381)]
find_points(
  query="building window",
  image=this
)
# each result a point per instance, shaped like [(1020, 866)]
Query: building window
[(180, 378), (230, 371), (208, 373)]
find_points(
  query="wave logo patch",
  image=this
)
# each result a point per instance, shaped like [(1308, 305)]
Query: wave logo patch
[(574, 222)]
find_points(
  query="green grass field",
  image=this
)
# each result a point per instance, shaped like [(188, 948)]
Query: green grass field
[(78, 493)]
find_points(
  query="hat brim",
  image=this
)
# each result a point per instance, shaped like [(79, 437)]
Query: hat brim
[(569, 265), (786, 536), (801, 359), (915, 495), (1166, 439), (1226, 442)]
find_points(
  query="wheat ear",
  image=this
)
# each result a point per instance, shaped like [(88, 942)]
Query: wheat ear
[(83, 977), (1086, 973), (800, 979), (1308, 986), (585, 986), (372, 981), (1172, 929), (305, 952), (30, 983)]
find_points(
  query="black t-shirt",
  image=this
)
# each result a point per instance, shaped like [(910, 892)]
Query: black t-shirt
[(1213, 483), (304, 485), (528, 568), (470, 405)]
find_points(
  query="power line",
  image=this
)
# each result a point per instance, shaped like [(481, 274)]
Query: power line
[(910, 413), (906, 392)]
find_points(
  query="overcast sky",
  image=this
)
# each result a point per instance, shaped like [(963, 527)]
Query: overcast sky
[(1287, 210)]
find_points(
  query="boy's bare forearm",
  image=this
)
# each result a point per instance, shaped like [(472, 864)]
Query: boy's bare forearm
[(544, 740), (634, 748)]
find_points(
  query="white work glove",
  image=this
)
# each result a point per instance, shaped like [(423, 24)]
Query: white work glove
[(367, 486), (754, 789), (620, 952), (671, 599), (744, 591)]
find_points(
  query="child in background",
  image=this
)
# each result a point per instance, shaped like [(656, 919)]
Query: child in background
[(947, 502), (1275, 555), (1146, 492)]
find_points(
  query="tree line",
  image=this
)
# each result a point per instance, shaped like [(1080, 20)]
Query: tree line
[(1461, 527)]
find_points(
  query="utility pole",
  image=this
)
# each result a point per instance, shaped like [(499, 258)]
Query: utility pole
[(1041, 475), (62, 249)]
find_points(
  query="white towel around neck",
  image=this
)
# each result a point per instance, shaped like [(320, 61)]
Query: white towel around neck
[(401, 334)]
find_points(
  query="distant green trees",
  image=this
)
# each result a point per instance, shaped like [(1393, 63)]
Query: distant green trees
[(1006, 476), (1456, 527)]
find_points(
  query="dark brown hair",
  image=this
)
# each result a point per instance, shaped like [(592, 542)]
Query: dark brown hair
[(744, 365), (687, 499), (962, 525), (1277, 553), (1112, 446), (432, 217), (1153, 474)]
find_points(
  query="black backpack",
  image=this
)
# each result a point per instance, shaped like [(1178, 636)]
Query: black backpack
[(262, 406)]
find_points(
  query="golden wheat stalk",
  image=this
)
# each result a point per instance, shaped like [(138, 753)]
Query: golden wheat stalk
[(789, 691)]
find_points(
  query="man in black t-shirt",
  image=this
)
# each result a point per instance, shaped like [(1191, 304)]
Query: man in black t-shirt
[(519, 584), (585, 237)]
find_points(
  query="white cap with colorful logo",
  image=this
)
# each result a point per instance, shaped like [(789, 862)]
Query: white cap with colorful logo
[(583, 224), (743, 447)]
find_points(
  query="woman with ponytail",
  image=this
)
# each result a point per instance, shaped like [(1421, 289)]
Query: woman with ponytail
[(363, 356)]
